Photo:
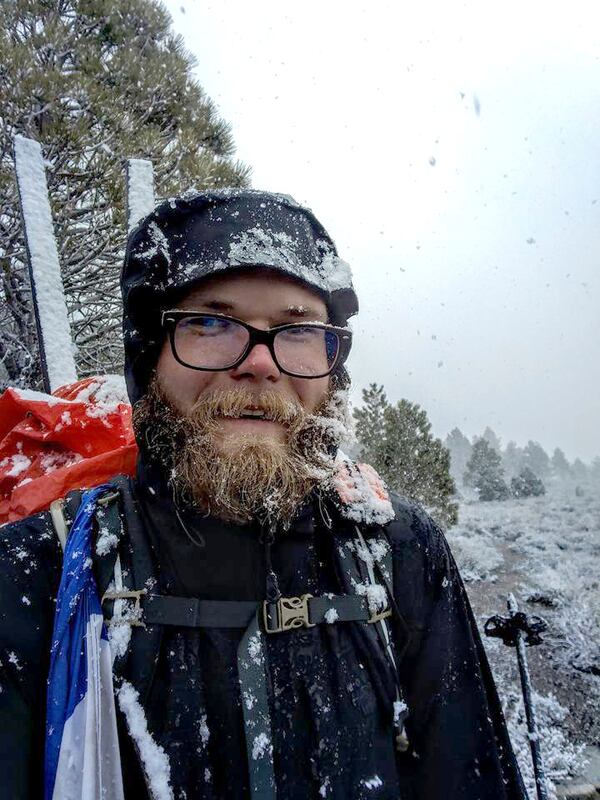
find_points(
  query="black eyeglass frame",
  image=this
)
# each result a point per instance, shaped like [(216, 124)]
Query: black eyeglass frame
[(169, 320)]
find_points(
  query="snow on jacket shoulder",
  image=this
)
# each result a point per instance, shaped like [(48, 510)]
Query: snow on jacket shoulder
[(30, 568)]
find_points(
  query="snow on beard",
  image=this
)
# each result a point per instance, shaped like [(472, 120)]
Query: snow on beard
[(260, 478)]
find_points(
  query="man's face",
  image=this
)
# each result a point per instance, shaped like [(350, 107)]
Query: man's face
[(264, 300)]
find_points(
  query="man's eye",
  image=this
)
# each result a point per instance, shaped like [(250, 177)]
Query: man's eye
[(206, 325), (303, 333)]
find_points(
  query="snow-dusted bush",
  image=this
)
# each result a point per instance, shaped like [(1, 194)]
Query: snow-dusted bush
[(527, 484)]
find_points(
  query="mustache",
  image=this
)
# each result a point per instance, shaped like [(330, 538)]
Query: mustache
[(234, 403)]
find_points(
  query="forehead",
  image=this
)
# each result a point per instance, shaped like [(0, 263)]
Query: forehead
[(256, 292)]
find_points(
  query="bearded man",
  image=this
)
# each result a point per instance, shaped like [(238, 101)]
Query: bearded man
[(280, 627)]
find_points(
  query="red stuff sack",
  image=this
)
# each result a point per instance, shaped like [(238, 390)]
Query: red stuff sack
[(78, 437)]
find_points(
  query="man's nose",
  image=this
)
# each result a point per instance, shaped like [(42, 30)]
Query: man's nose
[(258, 363)]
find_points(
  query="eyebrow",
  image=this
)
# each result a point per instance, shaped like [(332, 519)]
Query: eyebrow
[(217, 305), (301, 311)]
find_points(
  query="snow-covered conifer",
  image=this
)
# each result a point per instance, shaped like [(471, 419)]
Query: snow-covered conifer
[(560, 465), (536, 458), (94, 83), (492, 439), (397, 441), (484, 472), (579, 470), (512, 459), (460, 452)]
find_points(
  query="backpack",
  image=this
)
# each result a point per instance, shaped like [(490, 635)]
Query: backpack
[(364, 565)]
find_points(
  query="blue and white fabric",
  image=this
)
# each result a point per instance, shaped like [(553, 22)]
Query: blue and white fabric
[(82, 746)]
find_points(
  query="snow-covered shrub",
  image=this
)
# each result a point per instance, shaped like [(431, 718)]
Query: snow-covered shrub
[(527, 484)]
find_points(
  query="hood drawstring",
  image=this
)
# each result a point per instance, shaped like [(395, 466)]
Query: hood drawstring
[(272, 590), (324, 513), (197, 538)]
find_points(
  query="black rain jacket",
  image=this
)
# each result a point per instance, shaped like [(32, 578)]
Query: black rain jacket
[(330, 687)]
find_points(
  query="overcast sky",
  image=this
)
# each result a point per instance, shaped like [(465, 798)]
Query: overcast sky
[(453, 152)]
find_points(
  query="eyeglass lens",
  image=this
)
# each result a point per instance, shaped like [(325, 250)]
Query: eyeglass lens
[(214, 343)]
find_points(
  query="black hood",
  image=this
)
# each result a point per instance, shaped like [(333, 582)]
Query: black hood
[(201, 234)]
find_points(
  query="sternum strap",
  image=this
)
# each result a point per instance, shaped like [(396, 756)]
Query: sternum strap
[(191, 612)]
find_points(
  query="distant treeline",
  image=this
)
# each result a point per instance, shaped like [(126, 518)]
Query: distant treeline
[(498, 472), (397, 440)]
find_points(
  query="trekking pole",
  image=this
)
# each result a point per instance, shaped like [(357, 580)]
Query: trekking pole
[(518, 630)]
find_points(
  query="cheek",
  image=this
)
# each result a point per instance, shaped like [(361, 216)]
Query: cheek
[(311, 393), (181, 385)]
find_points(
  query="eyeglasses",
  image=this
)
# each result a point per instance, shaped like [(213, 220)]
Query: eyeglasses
[(215, 342)]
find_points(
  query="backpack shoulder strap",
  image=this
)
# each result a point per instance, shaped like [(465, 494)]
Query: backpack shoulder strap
[(62, 514), (109, 527), (58, 521), (364, 560)]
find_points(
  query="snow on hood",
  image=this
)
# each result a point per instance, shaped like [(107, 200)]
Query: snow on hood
[(260, 245)]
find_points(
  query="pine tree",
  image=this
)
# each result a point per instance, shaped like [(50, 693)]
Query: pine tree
[(460, 452), (94, 81), (493, 440), (579, 470), (370, 424), (536, 458), (484, 472), (512, 459), (560, 465), (397, 441)]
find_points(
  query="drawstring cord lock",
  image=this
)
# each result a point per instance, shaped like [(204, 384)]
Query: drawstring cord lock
[(273, 591)]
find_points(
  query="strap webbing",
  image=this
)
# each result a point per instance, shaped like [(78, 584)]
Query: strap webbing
[(59, 521), (191, 612), (62, 514), (251, 662), (348, 608)]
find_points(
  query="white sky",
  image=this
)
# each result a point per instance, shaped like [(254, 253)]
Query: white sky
[(474, 238)]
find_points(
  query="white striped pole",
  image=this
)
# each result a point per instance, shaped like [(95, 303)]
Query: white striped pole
[(139, 182), (54, 332)]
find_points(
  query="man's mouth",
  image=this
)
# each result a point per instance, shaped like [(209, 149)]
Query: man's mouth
[(253, 413), (271, 409), (250, 413)]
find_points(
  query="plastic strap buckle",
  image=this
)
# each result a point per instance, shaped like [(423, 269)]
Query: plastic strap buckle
[(286, 614), (135, 618)]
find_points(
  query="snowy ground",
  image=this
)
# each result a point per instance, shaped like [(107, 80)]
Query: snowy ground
[(545, 550)]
